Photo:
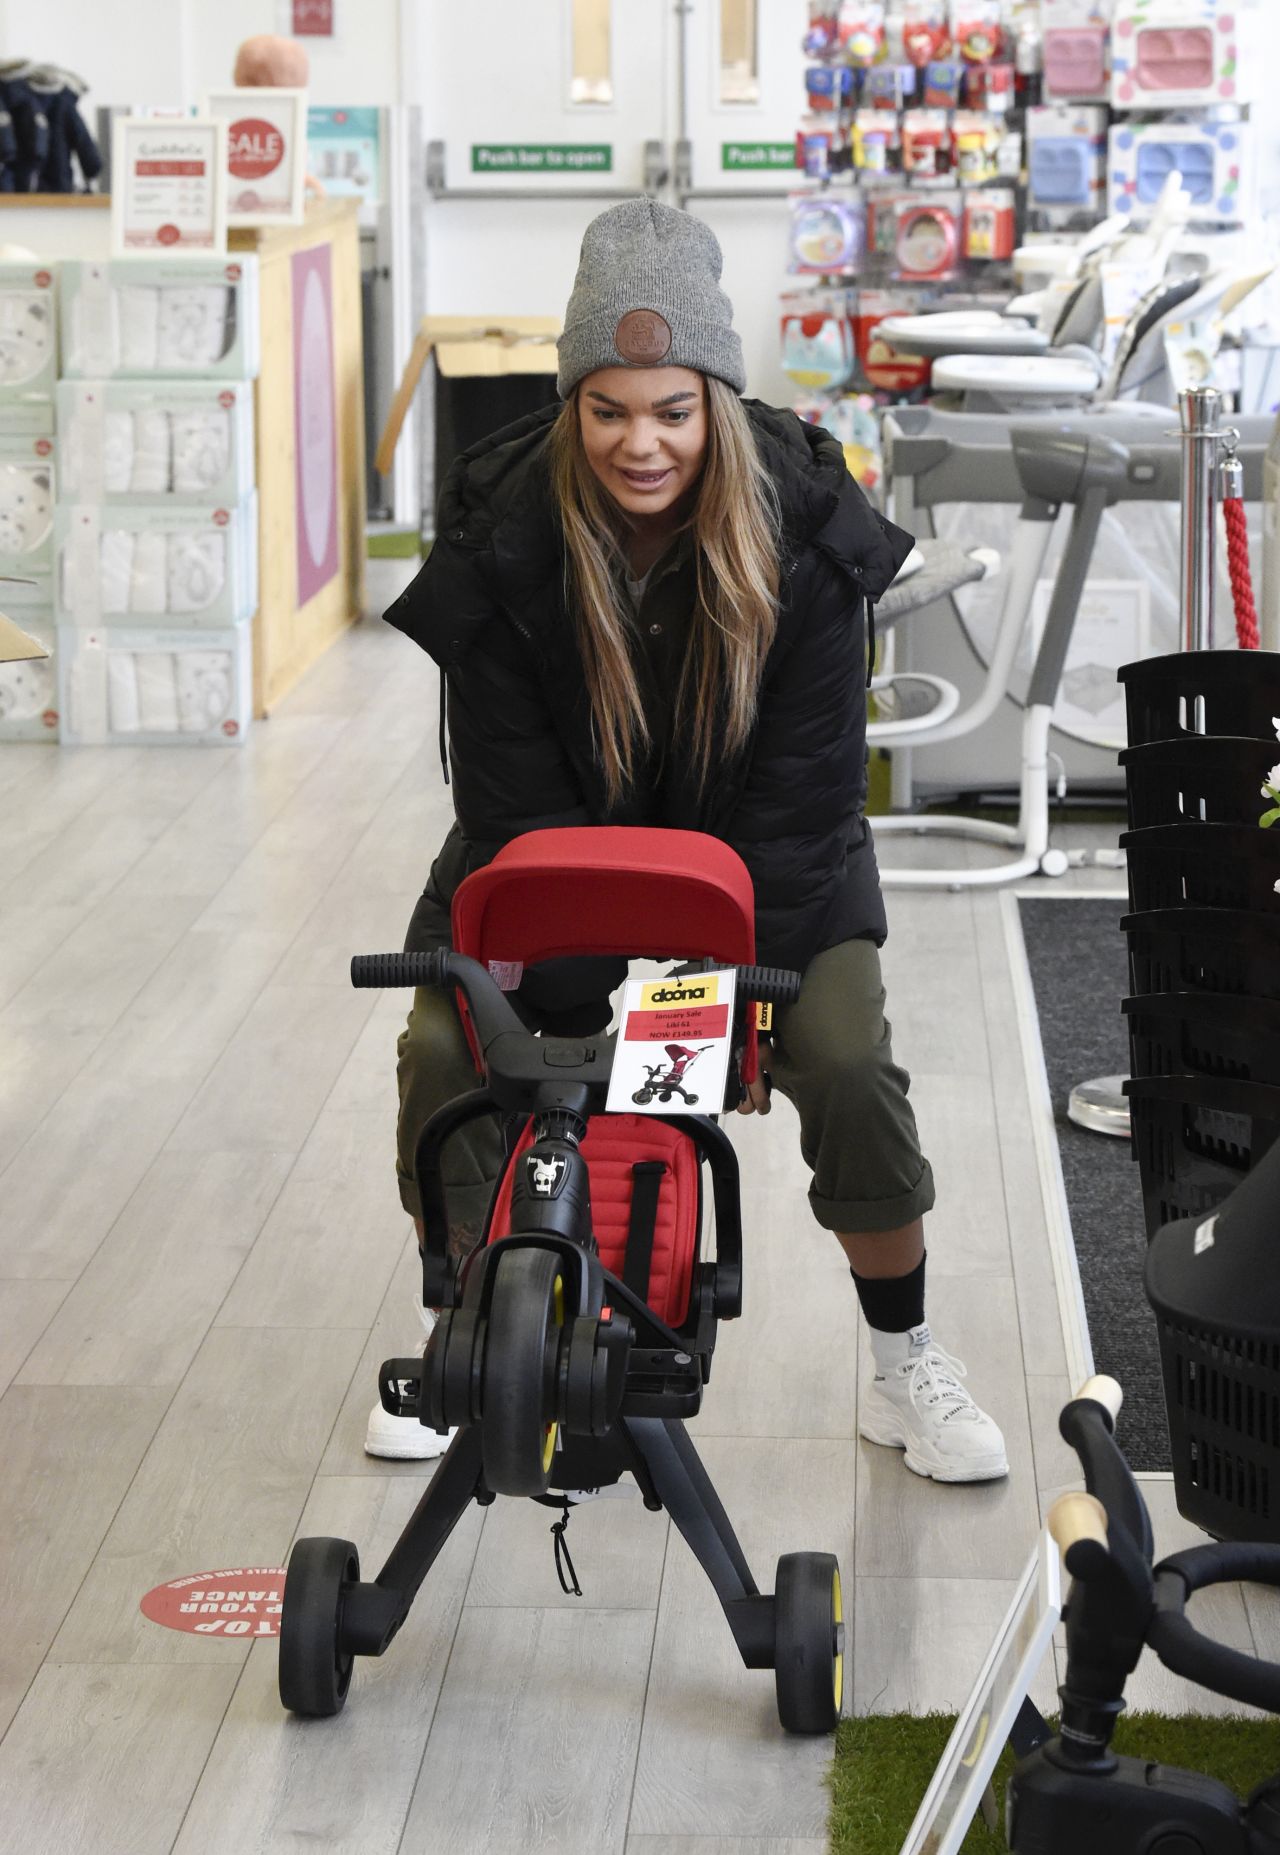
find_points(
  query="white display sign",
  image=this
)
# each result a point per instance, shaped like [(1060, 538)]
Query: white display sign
[(973, 1750), (168, 185), (673, 1049), (1113, 626), (266, 153)]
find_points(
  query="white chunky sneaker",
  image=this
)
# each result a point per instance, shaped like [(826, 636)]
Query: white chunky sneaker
[(404, 1439), (916, 1403)]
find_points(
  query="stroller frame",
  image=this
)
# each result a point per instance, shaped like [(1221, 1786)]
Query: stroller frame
[(621, 1381)]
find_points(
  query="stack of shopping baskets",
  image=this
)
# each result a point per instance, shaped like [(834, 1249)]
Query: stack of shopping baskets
[(1204, 1025)]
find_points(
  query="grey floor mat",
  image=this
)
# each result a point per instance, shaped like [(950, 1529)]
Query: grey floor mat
[(1079, 973)]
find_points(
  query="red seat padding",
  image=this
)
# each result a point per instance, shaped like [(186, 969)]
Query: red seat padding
[(614, 1144)]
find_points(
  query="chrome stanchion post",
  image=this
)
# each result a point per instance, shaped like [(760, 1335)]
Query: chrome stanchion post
[(1101, 1105), (1201, 412)]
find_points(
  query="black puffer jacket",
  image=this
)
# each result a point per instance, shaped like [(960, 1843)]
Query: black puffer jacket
[(489, 606)]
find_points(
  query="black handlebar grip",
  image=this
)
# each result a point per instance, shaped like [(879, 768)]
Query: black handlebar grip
[(399, 969), (769, 985), (1183, 1649)]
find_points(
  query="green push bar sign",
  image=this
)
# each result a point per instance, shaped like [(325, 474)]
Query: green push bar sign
[(756, 156), (541, 158)]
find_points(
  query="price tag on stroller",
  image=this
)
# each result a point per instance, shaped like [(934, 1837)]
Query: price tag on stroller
[(973, 1750), (674, 1045)]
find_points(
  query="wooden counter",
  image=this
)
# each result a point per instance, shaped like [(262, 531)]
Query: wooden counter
[(291, 632)]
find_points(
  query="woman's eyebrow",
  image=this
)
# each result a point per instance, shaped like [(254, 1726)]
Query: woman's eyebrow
[(672, 399)]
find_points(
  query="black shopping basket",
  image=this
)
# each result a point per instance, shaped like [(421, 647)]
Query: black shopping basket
[(1204, 1034), (1202, 692), (1195, 1138), (1213, 1284), (1206, 779), (1204, 950), (1203, 866)]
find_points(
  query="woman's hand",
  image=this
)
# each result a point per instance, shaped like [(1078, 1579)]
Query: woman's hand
[(757, 1096)]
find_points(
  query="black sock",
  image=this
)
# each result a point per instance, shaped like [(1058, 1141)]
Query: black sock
[(892, 1303)]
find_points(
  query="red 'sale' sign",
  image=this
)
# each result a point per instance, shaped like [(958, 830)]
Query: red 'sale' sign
[(254, 148)]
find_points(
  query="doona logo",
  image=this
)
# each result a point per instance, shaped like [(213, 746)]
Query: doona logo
[(50, 718), (254, 147), (43, 279), (680, 996), (221, 517), (226, 399), (168, 235), (43, 447), (231, 728), (233, 273), (244, 1602)]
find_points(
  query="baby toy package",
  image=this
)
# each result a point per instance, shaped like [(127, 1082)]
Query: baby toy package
[(156, 563), (176, 317), (27, 489), (29, 690), (155, 687), (140, 440), (28, 331)]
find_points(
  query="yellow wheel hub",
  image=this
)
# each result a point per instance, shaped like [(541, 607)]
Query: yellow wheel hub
[(838, 1613)]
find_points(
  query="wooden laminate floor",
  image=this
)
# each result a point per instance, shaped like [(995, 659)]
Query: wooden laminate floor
[(203, 1258)]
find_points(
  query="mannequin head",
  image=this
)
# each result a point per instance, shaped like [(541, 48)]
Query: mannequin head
[(267, 60)]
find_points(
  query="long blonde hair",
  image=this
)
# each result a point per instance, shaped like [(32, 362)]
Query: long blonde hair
[(735, 530)]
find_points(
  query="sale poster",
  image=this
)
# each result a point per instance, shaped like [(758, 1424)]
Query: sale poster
[(315, 422), (266, 153), (674, 1043)]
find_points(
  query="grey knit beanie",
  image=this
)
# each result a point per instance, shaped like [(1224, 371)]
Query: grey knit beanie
[(648, 294)]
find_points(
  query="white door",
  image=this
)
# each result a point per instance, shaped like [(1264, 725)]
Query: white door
[(538, 115), (741, 103)]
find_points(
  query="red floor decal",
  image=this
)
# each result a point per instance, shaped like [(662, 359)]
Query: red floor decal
[(245, 1602)]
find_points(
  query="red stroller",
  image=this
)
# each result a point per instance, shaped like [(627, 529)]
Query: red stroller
[(575, 1342), (664, 1086)]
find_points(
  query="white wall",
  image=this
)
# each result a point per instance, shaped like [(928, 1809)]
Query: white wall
[(168, 51)]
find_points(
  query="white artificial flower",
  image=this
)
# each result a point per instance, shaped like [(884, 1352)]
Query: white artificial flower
[(1276, 886), (1275, 723), (1273, 777)]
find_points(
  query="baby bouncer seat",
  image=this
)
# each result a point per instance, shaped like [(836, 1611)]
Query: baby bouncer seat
[(574, 1342)]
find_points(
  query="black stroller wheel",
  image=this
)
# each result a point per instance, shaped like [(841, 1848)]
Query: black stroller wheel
[(517, 1431), (314, 1671), (808, 1653), (642, 1096)]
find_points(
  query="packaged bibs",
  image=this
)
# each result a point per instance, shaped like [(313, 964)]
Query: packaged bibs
[(157, 562), (173, 317), (28, 690), (154, 686), (138, 440), (28, 331), (26, 499)]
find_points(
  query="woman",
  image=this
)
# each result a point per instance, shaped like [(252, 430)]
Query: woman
[(648, 606)]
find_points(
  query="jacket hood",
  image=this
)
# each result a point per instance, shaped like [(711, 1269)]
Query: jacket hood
[(499, 493)]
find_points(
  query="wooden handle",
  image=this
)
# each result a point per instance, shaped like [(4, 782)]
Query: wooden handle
[(1077, 1516), (1104, 1391), (384, 458)]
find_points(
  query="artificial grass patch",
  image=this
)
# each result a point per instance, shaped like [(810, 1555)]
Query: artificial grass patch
[(884, 1762)]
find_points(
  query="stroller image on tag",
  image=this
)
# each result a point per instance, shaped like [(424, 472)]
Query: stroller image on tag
[(574, 1343), (664, 1086)]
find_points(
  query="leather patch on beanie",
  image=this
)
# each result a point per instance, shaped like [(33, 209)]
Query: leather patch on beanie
[(643, 338)]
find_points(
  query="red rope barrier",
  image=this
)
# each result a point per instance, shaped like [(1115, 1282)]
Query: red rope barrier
[(1241, 578)]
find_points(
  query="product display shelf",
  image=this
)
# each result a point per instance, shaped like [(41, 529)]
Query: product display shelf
[(291, 633)]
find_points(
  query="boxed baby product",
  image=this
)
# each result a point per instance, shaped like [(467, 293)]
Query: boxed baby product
[(28, 689), (1211, 158), (153, 686), (1066, 161), (28, 331), (141, 440), (176, 317), (27, 487), (156, 563), (1182, 54)]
